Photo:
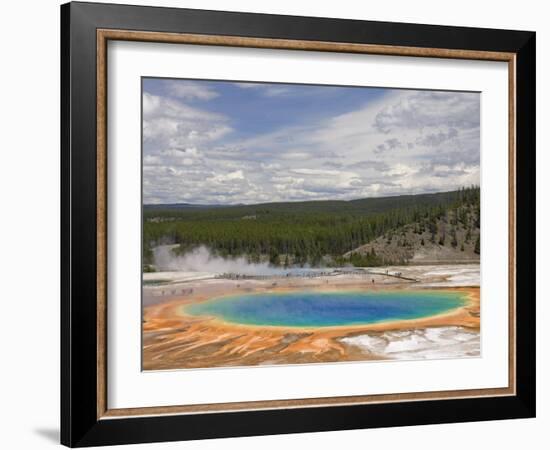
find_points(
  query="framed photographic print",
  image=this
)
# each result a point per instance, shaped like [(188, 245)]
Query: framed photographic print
[(276, 224)]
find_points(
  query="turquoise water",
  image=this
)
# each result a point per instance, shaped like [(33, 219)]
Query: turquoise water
[(324, 309)]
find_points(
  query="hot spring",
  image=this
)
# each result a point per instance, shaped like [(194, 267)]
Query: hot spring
[(326, 309)]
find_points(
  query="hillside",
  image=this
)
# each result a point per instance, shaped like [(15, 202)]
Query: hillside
[(452, 238), (438, 227)]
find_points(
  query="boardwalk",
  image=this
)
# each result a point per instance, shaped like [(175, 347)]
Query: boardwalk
[(314, 274)]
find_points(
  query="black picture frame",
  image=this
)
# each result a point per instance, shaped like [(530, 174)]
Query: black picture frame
[(80, 425)]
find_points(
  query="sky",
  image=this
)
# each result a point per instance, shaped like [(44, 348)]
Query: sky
[(222, 142)]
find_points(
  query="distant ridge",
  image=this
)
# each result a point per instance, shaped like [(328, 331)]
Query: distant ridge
[(362, 205), (180, 206)]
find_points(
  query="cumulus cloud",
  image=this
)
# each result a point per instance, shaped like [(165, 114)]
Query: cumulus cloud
[(171, 123)]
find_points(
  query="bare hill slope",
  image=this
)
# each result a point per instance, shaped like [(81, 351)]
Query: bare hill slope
[(453, 238)]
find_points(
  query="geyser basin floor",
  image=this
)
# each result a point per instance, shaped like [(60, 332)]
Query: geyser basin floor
[(173, 339), (314, 309)]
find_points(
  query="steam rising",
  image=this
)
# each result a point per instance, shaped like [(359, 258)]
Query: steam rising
[(202, 260)]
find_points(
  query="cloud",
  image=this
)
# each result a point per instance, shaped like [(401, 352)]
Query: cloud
[(334, 164), (429, 109), (316, 172), (248, 85), (437, 138), (388, 145), (379, 166), (401, 142), (191, 90), (267, 90), (172, 124), (231, 176), (175, 139)]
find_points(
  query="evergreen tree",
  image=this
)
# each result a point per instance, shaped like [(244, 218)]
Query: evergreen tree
[(273, 257), (476, 246), (454, 241)]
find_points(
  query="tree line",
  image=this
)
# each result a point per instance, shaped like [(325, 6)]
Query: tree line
[(299, 233)]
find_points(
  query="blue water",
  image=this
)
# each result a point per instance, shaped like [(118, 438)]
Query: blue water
[(323, 309)]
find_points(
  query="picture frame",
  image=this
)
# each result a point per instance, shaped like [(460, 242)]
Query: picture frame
[(86, 29)]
